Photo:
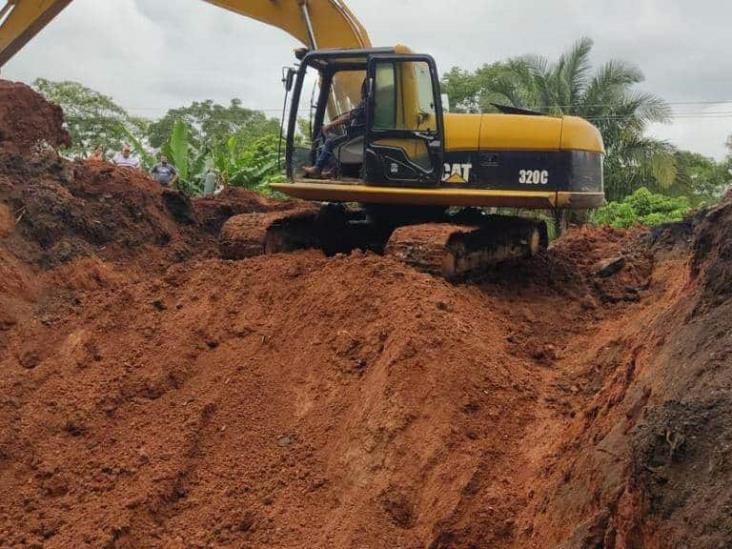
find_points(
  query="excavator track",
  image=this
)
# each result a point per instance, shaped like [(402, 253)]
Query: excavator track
[(449, 246), (456, 251), (333, 229)]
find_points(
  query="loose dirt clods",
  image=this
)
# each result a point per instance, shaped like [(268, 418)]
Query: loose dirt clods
[(153, 394), (27, 120)]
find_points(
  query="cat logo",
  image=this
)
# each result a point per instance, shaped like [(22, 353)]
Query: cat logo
[(457, 173)]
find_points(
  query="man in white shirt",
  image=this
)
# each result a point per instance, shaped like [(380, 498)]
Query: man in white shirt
[(125, 159)]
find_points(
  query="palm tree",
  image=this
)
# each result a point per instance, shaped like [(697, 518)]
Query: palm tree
[(607, 97)]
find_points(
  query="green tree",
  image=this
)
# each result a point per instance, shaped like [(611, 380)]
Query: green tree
[(474, 92), (701, 178), (92, 118), (606, 96), (210, 123), (466, 89)]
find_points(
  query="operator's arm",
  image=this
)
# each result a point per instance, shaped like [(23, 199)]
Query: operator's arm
[(340, 121)]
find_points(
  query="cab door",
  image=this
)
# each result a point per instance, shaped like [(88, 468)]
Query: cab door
[(404, 143)]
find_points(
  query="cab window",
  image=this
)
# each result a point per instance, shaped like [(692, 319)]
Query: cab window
[(404, 97), (385, 97)]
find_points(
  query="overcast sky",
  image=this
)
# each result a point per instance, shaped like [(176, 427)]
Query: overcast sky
[(151, 55)]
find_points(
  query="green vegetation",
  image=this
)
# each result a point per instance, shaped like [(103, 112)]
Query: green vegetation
[(189, 160), (642, 208), (92, 118), (253, 164), (240, 144), (701, 179), (211, 124)]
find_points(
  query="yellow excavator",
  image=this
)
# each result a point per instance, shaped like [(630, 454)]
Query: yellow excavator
[(409, 163)]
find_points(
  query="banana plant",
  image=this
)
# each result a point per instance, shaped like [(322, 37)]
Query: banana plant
[(188, 161), (252, 165)]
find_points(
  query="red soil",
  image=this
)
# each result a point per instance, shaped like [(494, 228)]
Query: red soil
[(26, 119), (152, 394)]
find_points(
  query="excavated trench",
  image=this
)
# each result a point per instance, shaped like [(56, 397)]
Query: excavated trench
[(154, 394)]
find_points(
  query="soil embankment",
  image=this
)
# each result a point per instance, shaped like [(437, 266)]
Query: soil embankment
[(152, 394)]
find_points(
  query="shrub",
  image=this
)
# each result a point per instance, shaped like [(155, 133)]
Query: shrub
[(642, 208)]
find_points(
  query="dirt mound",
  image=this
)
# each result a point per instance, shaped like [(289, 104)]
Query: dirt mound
[(712, 260), (594, 266), (54, 211), (152, 394), (214, 211), (198, 422), (65, 210), (645, 462), (27, 119), (295, 399)]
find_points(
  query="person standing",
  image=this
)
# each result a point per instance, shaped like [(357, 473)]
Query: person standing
[(126, 159), (98, 154), (210, 182), (164, 172)]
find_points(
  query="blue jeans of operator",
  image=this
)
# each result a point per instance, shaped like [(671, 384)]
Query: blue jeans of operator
[(325, 158)]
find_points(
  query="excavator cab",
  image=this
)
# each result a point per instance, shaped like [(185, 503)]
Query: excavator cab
[(402, 142)]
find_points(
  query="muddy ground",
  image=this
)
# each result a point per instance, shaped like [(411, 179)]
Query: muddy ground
[(153, 394)]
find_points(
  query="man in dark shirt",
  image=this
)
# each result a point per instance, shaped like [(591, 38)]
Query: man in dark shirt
[(164, 172), (357, 121)]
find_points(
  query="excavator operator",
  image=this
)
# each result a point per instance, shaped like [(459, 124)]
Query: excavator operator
[(356, 121)]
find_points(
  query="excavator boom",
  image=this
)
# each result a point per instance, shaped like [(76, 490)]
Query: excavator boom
[(319, 24), (21, 20), (315, 23)]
